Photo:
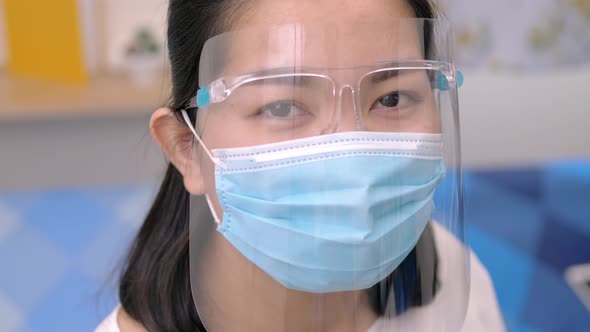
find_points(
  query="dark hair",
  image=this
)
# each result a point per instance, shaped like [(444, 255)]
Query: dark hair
[(155, 287)]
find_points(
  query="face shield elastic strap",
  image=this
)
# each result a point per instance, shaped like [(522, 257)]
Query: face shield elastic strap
[(216, 161)]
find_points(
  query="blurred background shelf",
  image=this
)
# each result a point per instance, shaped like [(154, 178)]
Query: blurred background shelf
[(56, 135), (105, 94)]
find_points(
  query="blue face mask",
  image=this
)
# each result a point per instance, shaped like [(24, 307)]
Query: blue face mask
[(330, 213)]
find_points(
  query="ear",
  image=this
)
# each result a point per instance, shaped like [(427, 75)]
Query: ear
[(176, 140)]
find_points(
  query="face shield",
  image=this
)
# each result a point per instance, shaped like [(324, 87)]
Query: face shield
[(329, 154)]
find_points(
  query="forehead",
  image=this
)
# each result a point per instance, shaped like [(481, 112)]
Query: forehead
[(275, 12), (320, 33)]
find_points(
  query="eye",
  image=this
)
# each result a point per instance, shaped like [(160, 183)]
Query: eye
[(394, 100), (285, 109), (390, 100)]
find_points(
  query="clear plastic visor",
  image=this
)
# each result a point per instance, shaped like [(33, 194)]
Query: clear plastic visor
[(329, 156)]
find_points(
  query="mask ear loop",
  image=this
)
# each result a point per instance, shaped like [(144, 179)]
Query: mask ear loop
[(212, 209), (187, 120), (216, 161)]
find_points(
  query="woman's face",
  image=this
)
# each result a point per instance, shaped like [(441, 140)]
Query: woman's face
[(337, 34)]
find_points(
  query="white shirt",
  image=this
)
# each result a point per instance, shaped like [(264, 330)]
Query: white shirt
[(483, 313)]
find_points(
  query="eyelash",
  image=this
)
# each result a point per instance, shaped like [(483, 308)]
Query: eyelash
[(413, 98), (402, 94), (267, 108)]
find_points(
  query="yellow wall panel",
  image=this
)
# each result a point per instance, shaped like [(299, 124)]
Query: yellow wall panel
[(44, 40)]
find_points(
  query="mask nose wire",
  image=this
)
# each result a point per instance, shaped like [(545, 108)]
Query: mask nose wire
[(357, 117), (187, 120)]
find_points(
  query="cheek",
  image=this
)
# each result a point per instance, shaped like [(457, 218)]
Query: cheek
[(430, 118)]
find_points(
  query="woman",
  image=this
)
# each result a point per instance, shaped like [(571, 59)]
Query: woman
[(308, 141)]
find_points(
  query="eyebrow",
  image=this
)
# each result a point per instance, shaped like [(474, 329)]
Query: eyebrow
[(295, 79), (384, 75), (306, 80)]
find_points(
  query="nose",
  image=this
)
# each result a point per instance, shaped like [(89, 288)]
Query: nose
[(348, 115)]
